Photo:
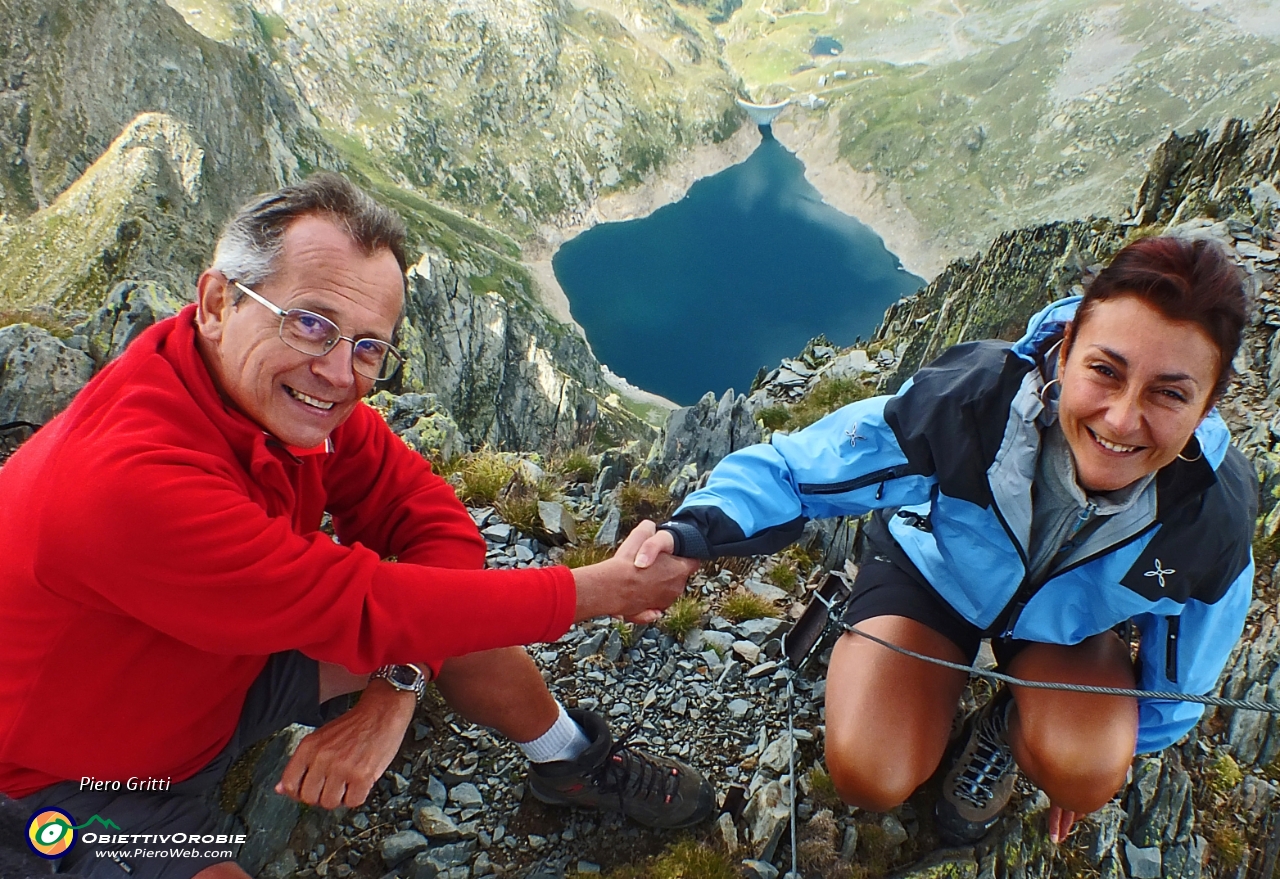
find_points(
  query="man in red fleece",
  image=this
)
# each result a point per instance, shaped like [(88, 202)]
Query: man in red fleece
[(167, 596)]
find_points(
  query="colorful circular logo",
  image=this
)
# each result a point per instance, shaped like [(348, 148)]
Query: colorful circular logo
[(51, 832)]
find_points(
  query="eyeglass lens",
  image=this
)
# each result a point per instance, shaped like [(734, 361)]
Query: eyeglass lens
[(315, 334)]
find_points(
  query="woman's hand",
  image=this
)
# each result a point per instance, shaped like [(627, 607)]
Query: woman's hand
[(1060, 822)]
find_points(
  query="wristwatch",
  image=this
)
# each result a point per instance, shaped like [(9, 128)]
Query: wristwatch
[(408, 678)]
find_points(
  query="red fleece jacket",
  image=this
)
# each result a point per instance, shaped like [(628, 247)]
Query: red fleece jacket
[(158, 546)]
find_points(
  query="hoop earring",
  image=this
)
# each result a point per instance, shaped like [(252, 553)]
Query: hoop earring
[(1048, 385), (1199, 455)]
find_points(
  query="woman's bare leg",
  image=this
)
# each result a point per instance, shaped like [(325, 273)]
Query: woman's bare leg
[(888, 715), (1076, 747)]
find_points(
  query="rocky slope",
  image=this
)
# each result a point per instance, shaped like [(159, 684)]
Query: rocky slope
[(978, 117)]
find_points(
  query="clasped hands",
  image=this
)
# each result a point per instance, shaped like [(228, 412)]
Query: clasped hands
[(338, 764)]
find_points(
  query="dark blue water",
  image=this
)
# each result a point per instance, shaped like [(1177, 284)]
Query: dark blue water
[(740, 273), (826, 46)]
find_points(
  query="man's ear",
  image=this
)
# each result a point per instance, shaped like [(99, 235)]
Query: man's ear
[(213, 304)]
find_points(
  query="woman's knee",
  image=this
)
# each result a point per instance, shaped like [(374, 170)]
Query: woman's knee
[(876, 782), (1078, 757)]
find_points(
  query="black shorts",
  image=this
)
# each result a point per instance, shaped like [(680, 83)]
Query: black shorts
[(888, 584), (287, 691)]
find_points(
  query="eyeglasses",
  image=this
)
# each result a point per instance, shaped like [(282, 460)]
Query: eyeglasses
[(316, 335)]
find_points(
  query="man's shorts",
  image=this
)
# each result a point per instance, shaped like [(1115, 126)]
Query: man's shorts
[(287, 691)]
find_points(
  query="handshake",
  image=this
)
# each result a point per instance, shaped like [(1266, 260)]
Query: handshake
[(638, 583)]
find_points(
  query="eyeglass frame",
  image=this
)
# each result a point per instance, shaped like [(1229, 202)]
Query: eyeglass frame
[(392, 351)]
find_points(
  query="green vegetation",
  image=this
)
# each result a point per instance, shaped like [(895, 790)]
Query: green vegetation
[(824, 789), (585, 554), (1224, 774), (828, 395), (1229, 845), (686, 859), (638, 501), (682, 617), (741, 605), (577, 466), (517, 504), (481, 477), (626, 632), (783, 575)]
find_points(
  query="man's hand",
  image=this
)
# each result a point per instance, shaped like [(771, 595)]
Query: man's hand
[(622, 587), (662, 542), (340, 762)]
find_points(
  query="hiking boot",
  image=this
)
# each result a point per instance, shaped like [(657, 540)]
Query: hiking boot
[(979, 783), (655, 791)]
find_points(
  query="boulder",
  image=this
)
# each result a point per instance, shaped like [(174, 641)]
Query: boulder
[(39, 375)]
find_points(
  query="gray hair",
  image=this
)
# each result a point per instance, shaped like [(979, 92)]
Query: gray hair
[(252, 239)]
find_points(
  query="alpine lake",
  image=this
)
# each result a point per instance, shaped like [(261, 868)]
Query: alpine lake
[(738, 274)]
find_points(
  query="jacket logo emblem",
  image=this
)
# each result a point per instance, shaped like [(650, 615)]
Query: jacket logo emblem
[(854, 436), (1159, 573)]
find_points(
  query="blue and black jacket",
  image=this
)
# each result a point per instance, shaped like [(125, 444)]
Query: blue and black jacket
[(955, 451)]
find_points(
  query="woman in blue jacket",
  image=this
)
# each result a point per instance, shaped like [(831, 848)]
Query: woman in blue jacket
[(1044, 494)]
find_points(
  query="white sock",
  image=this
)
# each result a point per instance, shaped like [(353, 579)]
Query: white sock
[(564, 741)]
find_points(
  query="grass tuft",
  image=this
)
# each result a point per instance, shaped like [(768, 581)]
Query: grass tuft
[(481, 477), (637, 501), (682, 617), (741, 605), (824, 789), (585, 554), (686, 859), (1224, 774), (1229, 847), (577, 466), (783, 575)]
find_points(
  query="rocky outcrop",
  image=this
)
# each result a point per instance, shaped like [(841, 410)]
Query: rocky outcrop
[(518, 111), (38, 374), (508, 374), (697, 437)]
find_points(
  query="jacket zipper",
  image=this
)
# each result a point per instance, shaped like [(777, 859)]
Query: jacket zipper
[(880, 476), (1172, 623), (1018, 608)]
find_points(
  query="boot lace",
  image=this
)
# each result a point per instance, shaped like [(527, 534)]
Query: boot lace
[(633, 773), (990, 760)]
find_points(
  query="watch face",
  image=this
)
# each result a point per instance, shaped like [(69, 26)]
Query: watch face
[(405, 675)]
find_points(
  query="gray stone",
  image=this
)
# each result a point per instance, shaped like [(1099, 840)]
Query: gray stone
[(1144, 863), (129, 309), (609, 527), (849, 845), (738, 708), (466, 795), (401, 846), (894, 833), (759, 869), (592, 645), (763, 669), (39, 375), (776, 757), (437, 791), (767, 591), (433, 823), (728, 832), (557, 523), (694, 641), (767, 816), (719, 641), (748, 651), (704, 434), (451, 856), (757, 631), (423, 867), (613, 646), (500, 533), (268, 816)]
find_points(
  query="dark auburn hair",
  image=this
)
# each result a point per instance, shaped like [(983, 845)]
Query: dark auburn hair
[(1185, 279)]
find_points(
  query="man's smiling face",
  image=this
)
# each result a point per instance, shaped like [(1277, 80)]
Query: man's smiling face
[(298, 398)]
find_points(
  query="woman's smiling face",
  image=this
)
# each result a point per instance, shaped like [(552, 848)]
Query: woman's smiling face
[(1135, 385)]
